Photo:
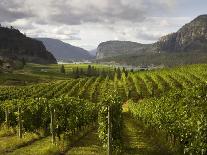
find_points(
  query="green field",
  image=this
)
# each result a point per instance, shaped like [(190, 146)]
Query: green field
[(152, 112), (35, 73)]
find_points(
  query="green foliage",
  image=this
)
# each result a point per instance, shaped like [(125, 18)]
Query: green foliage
[(115, 104), (62, 69), (70, 113), (118, 71), (179, 113)]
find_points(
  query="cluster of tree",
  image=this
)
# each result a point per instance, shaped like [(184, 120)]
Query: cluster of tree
[(90, 71), (11, 27), (93, 71)]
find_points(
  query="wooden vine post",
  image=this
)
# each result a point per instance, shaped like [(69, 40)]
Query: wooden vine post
[(52, 128), (20, 122), (7, 116), (109, 131)]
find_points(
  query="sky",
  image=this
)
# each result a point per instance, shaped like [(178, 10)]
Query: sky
[(86, 23)]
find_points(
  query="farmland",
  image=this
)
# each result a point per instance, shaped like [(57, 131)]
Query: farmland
[(154, 112)]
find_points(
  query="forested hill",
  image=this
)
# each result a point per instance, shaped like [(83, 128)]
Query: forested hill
[(15, 46)]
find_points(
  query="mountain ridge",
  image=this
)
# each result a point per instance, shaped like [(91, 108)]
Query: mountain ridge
[(16, 46), (65, 51), (190, 38), (115, 48)]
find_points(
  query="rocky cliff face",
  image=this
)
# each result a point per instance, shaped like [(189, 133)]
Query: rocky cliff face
[(115, 48), (16, 46), (192, 37)]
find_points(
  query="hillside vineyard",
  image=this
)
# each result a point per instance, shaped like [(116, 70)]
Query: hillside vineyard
[(171, 100)]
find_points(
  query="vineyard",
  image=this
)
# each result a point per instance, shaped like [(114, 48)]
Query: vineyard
[(169, 102)]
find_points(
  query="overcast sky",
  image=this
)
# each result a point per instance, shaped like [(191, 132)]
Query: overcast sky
[(86, 23)]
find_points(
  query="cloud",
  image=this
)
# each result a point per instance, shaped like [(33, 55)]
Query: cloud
[(86, 23), (148, 36), (10, 10), (75, 12)]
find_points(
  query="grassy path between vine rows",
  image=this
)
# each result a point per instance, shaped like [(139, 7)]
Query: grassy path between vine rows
[(88, 145), (137, 142), (40, 147), (10, 143)]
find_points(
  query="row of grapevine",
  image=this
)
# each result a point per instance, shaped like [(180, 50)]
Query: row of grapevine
[(181, 114), (111, 123), (133, 94), (66, 113), (83, 90), (92, 91), (163, 85), (133, 85)]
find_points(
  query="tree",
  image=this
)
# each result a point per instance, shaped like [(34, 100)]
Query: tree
[(23, 62), (93, 71), (62, 69), (81, 71), (77, 74), (89, 70), (119, 73), (125, 71), (103, 73)]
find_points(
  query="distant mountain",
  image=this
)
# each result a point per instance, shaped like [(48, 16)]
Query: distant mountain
[(15, 46), (188, 45), (192, 37), (93, 52), (65, 51), (116, 48)]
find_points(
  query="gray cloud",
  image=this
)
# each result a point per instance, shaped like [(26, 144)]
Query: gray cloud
[(86, 23), (10, 10), (144, 35), (107, 11), (75, 12)]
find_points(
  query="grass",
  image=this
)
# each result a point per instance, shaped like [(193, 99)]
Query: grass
[(11, 143), (6, 131), (40, 147), (55, 68), (35, 73), (137, 142), (18, 79), (88, 145), (44, 146), (135, 139)]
